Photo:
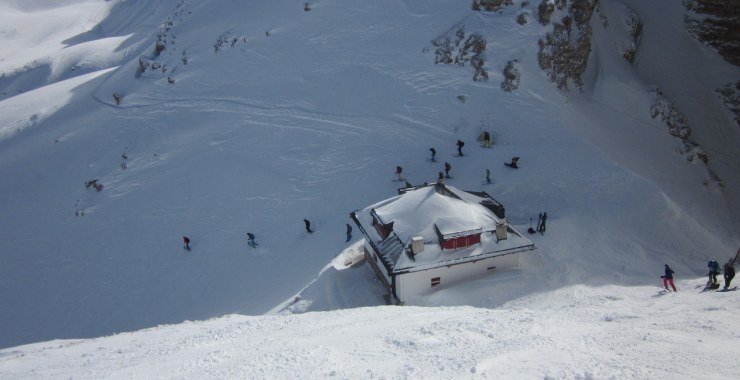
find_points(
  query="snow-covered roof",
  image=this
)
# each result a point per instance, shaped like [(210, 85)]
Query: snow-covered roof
[(456, 226), (415, 214)]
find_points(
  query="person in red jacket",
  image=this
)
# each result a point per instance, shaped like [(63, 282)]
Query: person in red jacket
[(668, 278)]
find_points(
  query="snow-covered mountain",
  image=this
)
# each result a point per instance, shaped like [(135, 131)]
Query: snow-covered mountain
[(214, 118)]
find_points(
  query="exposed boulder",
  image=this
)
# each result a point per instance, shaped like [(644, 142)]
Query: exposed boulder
[(511, 77), (730, 95), (491, 5), (564, 52), (466, 49), (717, 24)]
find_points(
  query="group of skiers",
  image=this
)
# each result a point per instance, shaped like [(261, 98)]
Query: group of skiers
[(729, 273), (251, 237), (486, 137), (713, 265)]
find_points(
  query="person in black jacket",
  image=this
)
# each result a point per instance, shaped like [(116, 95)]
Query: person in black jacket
[(668, 278), (349, 232), (729, 270), (460, 145), (541, 224), (514, 163), (308, 226)]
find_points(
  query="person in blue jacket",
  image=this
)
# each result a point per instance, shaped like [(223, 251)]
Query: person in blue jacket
[(713, 266), (349, 232)]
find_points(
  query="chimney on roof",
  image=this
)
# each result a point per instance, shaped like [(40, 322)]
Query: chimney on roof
[(417, 245), (501, 230)]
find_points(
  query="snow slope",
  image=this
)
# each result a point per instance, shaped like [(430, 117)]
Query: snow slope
[(575, 332), (260, 115)]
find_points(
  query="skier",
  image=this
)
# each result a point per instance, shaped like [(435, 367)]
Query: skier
[(713, 266), (513, 163), (308, 226), (250, 239), (434, 153), (447, 169), (541, 225), (441, 178), (349, 232), (398, 172), (539, 222), (486, 140), (729, 270), (186, 240), (460, 145), (488, 175), (668, 278)]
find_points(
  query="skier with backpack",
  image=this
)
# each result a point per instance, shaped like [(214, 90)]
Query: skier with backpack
[(486, 140), (460, 145), (186, 240), (398, 172), (448, 167), (434, 153)]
